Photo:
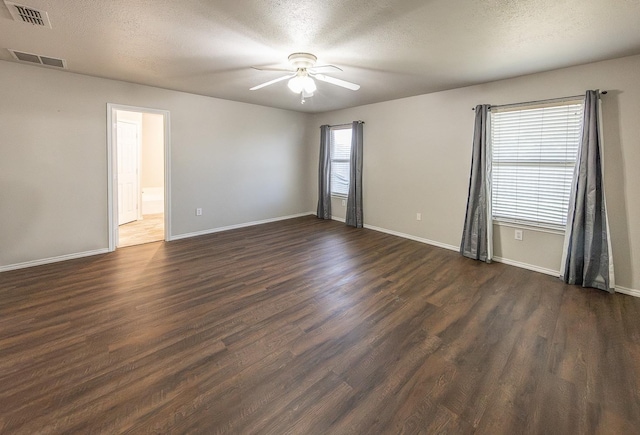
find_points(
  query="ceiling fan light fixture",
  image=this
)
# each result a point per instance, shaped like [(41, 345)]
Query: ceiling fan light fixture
[(302, 76), (302, 83), (295, 84), (309, 85)]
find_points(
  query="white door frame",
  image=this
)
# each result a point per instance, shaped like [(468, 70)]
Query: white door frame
[(112, 170)]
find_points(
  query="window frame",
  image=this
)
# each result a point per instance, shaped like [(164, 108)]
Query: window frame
[(332, 159), (525, 223)]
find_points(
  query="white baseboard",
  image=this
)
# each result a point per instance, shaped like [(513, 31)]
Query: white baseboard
[(339, 219), (57, 259), (410, 237), (628, 291), (556, 273), (527, 266), (457, 248), (619, 289), (52, 260), (236, 226)]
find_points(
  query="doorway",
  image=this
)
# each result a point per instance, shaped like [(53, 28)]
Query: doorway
[(138, 175)]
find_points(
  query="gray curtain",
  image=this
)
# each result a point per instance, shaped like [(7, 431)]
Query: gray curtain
[(477, 234), (354, 216), (586, 258), (324, 174)]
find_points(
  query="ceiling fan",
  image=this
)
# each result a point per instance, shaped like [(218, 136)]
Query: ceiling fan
[(302, 73)]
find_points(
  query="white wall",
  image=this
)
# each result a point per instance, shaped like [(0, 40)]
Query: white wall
[(417, 155), (238, 162)]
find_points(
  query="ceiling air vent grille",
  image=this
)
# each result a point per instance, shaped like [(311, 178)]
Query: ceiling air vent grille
[(38, 59), (29, 15)]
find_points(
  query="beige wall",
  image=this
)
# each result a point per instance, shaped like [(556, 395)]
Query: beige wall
[(152, 145), (417, 154), (238, 162)]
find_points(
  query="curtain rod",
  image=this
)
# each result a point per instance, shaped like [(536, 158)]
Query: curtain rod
[(344, 125), (542, 101)]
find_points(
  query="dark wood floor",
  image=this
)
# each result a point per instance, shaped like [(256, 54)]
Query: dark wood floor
[(310, 327)]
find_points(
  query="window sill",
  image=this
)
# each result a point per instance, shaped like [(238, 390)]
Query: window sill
[(338, 196), (523, 226)]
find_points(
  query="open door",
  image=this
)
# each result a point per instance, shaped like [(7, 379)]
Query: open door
[(127, 137), (139, 175)]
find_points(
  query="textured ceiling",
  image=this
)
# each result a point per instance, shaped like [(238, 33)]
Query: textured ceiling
[(393, 49)]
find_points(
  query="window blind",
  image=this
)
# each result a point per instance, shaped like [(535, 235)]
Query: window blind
[(533, 158), (340, 157)]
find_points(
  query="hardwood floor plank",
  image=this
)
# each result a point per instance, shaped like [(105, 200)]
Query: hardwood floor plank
[(307, 326)]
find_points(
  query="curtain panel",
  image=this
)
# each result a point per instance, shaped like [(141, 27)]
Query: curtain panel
[(477, 235), (587, 258), (354, 216), (324, 174)]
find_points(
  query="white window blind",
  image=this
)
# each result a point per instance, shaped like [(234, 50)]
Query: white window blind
[(340, 157), (533, 157)]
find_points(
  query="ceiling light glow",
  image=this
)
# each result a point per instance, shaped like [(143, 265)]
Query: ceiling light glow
[(302, 83)]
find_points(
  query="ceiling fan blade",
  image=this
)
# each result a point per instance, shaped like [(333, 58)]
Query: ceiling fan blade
[(270, 82), (317, 69), (272, 69), (338, 82)]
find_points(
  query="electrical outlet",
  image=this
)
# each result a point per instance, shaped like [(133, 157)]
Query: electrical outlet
[(518, 235), (198, 212), (344, 202), (418, 216)]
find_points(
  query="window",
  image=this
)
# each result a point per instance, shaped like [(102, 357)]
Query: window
[(340, 157), (534, 152)]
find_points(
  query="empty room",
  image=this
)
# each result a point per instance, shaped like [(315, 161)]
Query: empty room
[(320, 217)]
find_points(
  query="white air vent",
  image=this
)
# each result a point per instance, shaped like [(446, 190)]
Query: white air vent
[(38, 59), (29, 15)]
